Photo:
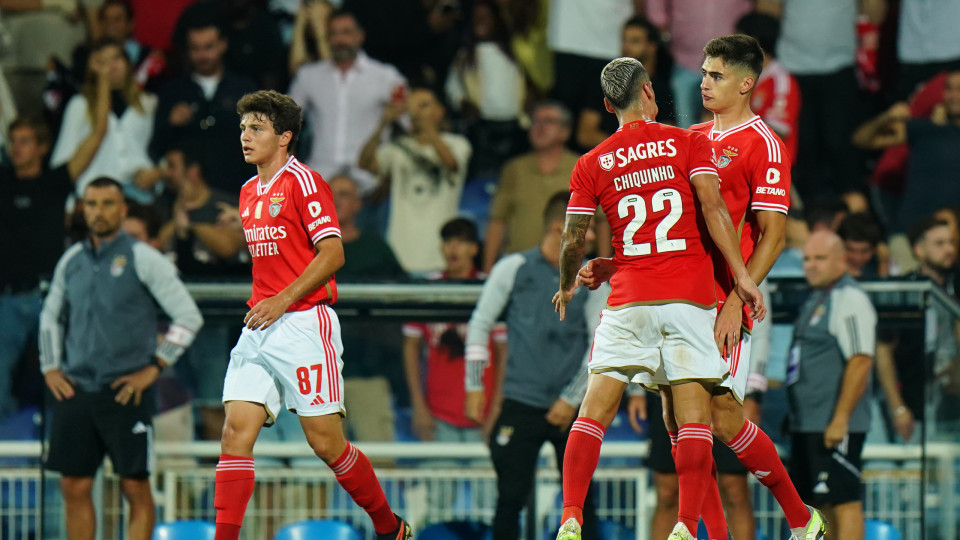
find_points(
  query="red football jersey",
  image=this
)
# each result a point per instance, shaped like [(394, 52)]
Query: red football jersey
[(754, 175), (640, 176), (776, 99), (282, 221)]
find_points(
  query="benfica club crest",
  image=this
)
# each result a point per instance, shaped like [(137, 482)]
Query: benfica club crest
[(606, 161), (726, 158), (275, 205)]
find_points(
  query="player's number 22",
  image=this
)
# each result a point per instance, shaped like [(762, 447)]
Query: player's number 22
[(658, 204)]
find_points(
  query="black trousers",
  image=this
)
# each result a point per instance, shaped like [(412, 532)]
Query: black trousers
[(515, 444)]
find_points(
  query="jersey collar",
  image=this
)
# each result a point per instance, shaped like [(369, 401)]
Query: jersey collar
[(261, 189), (719, 135)]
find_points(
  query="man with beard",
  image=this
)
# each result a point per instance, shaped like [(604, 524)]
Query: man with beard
[(343, 98)]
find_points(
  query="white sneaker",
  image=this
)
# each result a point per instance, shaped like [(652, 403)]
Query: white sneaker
[(680, 532), (570, 530)]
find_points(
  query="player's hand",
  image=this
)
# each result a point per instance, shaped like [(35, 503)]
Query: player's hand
[(836, 430), (637, 411), (904, 423), (751, 410), (562, 298), (423, 424), (596, 271), (473, 406), (726, 331), (492, 416), (180, 114), (266, 312), (561, 414), (132, 386), (58, 384), (752, 297)]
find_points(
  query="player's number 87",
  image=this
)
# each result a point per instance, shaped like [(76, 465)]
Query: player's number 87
[(303, 378)]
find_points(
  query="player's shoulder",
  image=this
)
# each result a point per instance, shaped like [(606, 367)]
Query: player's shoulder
[(249, 185), (767, 141), (703, 127), (301, 179)]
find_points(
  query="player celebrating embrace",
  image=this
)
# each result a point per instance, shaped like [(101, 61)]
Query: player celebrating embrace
[(289, 352), (650, 180)]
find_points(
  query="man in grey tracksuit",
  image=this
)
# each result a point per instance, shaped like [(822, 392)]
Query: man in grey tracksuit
[(546, 375), (100, 355)]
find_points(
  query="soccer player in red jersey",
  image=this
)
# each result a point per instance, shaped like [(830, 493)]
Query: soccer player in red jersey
[(754, 169), (288, 354), (650, 180)]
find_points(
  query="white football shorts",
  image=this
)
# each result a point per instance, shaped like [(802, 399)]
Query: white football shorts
[(657, 344), (738, 361), (295, 363)]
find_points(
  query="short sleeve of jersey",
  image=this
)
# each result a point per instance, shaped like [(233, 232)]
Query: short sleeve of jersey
[(770, 180), (700, 158), (317, 213), (583, 196), (853, 321)]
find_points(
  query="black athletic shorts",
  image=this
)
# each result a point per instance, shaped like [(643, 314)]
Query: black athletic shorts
[(660, 459), (90, 425), (826, 475)]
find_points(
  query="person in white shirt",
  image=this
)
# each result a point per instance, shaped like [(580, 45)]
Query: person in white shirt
[(426, 170), (343, 98)]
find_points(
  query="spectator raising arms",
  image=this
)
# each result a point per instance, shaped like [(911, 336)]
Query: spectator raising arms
[(122, 154)]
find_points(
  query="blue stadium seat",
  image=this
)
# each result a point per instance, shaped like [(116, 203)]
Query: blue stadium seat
[(456, 530), (880, 530), (185, 530), (327, 529)]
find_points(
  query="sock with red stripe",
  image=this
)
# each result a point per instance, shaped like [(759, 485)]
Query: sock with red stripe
[(758, 454), (579, 462), (711, 510), (693, 457), (356, 476), (232, 491)]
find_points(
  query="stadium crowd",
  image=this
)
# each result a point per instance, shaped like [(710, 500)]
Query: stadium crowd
[(444, 128)]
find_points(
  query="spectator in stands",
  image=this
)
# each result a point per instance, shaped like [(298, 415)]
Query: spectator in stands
[(486, 88), (343, 98), (690, 24), (32, 233), (931, 173), (818, 46), (153, 22), (142, 223), (367, 255), (122, 155), (114, 20), (436, 391), (100, 357), (425, 171), (776, 97), (640, 39), (309, 41), (527, 22), (825, 213), (527, 181), (927, 42), (861, 237), (198, 110), (545, 377), (828, 373)]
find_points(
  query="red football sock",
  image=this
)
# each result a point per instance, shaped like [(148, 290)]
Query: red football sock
[(579, 462), (694, 455), (356, 476), (758, 454), (711, 511), (234, 486)]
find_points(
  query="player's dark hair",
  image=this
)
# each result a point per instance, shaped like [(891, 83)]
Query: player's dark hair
[(127, 8), (762, 27), (639, 21), (41, 131), (621, 81), (824, 211), (147, 214), (104, 182), (282, 111), (920, 229), (555, 209), (341, 13), (737, 50), (461, 229), (860, 227), (192, 156)]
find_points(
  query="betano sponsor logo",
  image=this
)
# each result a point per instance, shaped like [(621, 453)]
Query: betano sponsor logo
[(317, 223)]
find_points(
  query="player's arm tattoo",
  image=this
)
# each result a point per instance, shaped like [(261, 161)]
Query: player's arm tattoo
[(572, 247)]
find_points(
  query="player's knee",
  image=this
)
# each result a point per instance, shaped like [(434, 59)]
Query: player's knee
[(237, 437), (136, 491), (726, 417), (76, 488), (668, 490), (327, 445)]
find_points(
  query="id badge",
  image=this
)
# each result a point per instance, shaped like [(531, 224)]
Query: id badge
[(793, 365)]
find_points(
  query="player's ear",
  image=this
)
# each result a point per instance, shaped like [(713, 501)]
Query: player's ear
[(747, 84), (608, 106), (285, 138)]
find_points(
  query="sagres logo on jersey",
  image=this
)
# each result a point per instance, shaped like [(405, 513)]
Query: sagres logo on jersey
[(275, 205), (607, 161), (728, 154)]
